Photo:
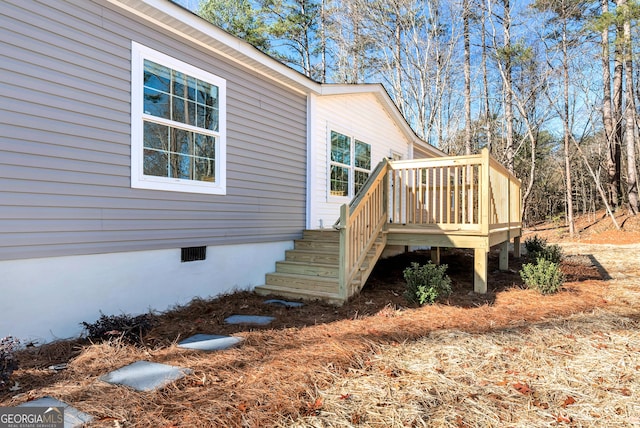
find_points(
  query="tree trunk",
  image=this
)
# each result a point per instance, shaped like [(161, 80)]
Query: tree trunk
[(485, 80), (567, 134), (613, 181), (630, 122), (508, 86), (616, 153), (467, 77)]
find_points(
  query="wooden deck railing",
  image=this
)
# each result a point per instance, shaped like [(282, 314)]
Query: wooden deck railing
[(473, 193), (505, 198), (464, 194), (360, 224), (443, 192)]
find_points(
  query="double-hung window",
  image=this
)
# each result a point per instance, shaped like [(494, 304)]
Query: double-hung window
[(178, 126), (350, 165)]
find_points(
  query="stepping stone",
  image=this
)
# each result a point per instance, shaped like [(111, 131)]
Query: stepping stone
[(145, 376), (209, 342), (249, 319), (284, 303), (72, 416)]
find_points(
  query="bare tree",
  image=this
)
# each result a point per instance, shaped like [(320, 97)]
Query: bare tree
[(630, 111), (608, 120), (466, 17), (508, 82)]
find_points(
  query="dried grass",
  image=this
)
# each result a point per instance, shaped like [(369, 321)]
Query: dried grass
[(580, 370)]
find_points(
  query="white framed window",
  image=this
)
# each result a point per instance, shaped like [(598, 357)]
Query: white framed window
[(178, 125), (349, 165)]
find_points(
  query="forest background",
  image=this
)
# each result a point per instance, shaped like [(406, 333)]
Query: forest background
[(549, 86)]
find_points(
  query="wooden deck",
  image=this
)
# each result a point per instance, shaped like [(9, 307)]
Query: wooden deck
[(460, 202)]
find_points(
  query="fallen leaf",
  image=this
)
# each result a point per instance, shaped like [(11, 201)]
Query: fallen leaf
[(541, 405), (522, 388), (568, 401), (313, 409), (626, 392), (560, 418), (460, 422)]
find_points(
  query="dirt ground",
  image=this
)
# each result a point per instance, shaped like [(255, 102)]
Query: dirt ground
[(283, 374)]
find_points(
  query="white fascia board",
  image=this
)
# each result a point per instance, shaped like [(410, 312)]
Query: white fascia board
[(383, 96), (177, 20)]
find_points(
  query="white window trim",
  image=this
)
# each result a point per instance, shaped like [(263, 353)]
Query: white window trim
[(352, 167), (140, 181)]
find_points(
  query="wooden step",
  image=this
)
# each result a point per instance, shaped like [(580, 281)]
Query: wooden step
[(309, 256), (303, 282), (322, 235), (306, 268), (289, 293), (307, 244)]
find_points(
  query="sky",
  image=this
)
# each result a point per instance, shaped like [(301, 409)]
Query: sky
[(189, 4)]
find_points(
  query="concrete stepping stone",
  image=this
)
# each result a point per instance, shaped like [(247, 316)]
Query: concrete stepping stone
[(72, 417), (249, 319), (284, 303), (145, 375), (209, 342)]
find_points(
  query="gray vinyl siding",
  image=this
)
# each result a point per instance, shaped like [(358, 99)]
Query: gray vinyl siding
[(65, 142)]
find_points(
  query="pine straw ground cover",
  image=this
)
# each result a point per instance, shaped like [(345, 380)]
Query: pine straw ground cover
[(508, 358)]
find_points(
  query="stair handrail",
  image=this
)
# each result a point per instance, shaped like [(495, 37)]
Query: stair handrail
[(360, 224)]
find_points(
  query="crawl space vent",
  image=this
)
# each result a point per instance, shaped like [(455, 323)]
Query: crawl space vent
[(191, 254)]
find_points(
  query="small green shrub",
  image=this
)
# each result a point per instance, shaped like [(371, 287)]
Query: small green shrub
[(552, 253), (127, 327), (544, 276), (535, 244), (8, 361), (426, 283), (537, 248)]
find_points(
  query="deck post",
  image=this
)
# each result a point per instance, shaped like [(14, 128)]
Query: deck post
[(485, 196), (344, 251), (435, 255), (480, 268), (516, 247), (504, 256)]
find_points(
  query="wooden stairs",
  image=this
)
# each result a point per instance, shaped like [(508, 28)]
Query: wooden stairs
[(310, 270)]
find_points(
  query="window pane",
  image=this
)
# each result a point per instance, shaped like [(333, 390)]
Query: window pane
[(340, 148), (339, 181), (184, 86), (156, 103), (205, 146), (205, 169), (184, 111), (180, 166), (156, 136), (157, 77), (207, 94), (360, 180), (183, 142), (156, 163), (363, 155), (207, 118)]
